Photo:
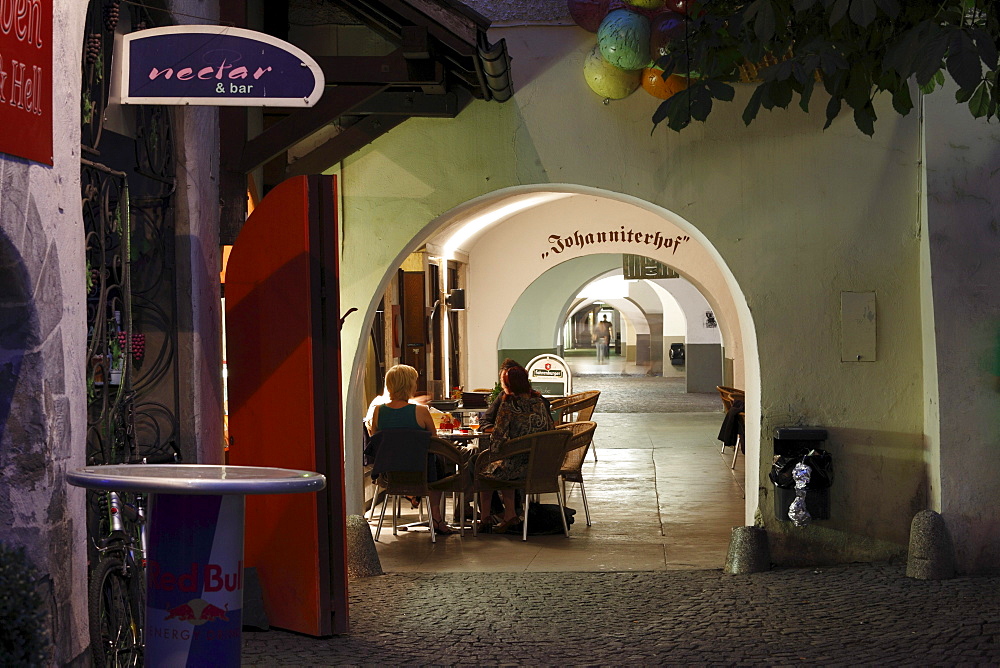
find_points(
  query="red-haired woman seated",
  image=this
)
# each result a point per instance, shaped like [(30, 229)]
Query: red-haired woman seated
[(522, 411)]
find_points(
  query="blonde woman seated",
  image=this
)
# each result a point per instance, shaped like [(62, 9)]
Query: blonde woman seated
[(399, 413)]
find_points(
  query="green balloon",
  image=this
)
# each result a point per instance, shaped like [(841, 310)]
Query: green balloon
[(624, 39)]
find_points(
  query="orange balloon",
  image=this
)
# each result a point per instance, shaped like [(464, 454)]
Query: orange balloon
[(654, 83)]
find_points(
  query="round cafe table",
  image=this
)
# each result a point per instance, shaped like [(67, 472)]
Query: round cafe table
[(194, 566)]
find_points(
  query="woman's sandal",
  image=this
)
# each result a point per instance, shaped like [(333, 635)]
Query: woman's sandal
[(443, 528)]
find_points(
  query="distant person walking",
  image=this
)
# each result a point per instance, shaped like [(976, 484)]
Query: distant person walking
[(602, 337)]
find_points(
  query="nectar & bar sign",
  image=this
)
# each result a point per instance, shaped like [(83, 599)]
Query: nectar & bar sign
[(26, 79), (214, 66)]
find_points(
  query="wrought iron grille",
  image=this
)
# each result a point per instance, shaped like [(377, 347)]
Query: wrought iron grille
[(127, 183)]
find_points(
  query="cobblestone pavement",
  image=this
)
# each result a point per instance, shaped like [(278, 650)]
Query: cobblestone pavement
[(862, 614), (647, 394)]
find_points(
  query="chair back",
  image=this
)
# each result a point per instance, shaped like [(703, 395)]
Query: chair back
[(576, 449), (729, 395), (400, 461), (547, 449), (577, 407)]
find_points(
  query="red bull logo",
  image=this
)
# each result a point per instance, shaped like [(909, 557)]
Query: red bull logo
[(198, 578), (197, 611)]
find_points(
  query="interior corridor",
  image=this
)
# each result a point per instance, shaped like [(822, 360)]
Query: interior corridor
[(661, 496)]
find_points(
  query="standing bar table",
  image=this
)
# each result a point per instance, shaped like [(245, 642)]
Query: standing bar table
[(194, 573)]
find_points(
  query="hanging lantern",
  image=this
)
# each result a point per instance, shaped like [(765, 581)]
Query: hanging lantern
[(665, 28), (606, 80), (588, 14), (624, 39), (654, 83)]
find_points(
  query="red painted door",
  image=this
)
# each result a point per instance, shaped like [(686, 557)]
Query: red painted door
[(283, 358)]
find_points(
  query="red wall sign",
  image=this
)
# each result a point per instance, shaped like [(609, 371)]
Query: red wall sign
[(26, 79)]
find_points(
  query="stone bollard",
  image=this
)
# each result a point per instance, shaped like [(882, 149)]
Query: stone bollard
[(362, 557), (931, 555), (749, 551)]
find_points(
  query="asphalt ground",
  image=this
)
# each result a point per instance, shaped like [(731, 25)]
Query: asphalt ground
[(862, 614)]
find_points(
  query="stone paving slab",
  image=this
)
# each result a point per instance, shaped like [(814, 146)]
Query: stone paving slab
[(862, 614)]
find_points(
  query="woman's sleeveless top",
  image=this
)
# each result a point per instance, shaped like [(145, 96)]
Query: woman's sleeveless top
[(397, 418)]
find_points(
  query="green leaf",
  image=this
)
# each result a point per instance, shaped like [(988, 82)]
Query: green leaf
[(963, 95), (721, 91), (864, 118), (928, 60), (765, 22), (901, 101), (979, 104), (901, 54), (858, 91), (701, 103), (675, 110), (753, 106), (781, 93), (862, 12), (806, 94), (838, 11), (832, 111), (963, 60), (987, 47), (890, 7), (831, 61), (802, 5)]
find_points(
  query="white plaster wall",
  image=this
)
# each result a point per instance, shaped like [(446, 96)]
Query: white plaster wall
[(642, 293), (796, 214), (674, 318), (535, 316), (693, 304), (963, 228)]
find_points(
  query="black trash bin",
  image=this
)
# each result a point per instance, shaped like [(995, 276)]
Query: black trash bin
[(791, 446)]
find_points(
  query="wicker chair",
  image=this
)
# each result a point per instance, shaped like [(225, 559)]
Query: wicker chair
[(577, 407), (729, 396), (413, 482), (546, 451), (576, 452)]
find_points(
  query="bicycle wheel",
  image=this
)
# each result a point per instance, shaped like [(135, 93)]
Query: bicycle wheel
[(114, 621)]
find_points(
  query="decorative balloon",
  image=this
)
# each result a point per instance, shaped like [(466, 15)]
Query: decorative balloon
[(665, 28), (623, 4), (588, 14), (607, 80), (623, 38), (679, 6), (654, 83), (646, 4)]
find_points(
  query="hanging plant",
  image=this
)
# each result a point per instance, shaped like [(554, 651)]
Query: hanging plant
[(88, 108)]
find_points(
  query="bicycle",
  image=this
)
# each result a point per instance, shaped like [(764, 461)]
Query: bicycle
[(117, 590)]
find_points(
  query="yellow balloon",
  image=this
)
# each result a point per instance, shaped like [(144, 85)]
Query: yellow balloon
[(607, 80), (645, 4)]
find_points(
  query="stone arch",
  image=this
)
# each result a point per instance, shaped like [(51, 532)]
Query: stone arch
[(575, 209)]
